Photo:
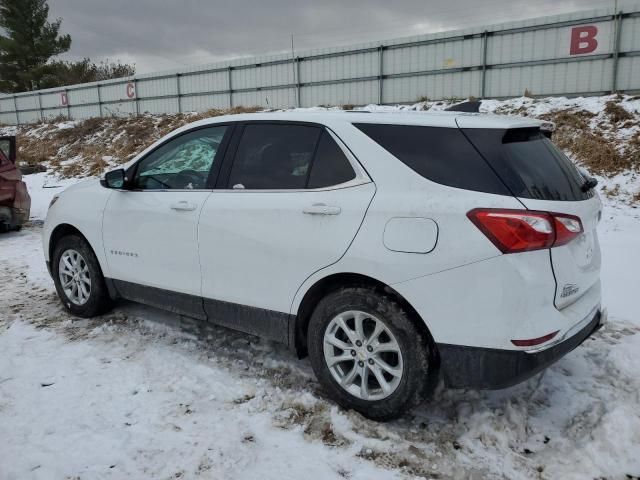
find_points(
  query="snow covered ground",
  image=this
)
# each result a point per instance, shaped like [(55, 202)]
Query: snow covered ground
[(132, 395)]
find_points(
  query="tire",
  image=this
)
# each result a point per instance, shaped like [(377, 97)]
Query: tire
[(98, 300), (415, 374)]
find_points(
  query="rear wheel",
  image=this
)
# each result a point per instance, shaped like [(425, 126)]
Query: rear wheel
[(369, 355), (78, 278)]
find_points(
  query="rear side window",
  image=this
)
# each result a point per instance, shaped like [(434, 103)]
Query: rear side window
[(272, 156), (442, 155), (330, 165), (530, 164)]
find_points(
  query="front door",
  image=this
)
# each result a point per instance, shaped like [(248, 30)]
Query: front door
[(150, 228), (294, 202)]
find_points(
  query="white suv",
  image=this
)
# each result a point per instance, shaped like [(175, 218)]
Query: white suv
[(394, 249)]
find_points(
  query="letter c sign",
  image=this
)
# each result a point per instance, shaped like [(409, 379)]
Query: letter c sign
[(131, 90), (583, 40)]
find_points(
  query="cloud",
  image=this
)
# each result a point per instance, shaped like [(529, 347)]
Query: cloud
[(161, 34)]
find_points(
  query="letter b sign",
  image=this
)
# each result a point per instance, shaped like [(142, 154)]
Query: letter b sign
[(583, 40)]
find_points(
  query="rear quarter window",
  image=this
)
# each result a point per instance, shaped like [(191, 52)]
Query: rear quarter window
[(442, 155), (330, 166)]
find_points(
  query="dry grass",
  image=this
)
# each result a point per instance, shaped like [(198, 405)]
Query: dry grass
[(616, 112), (91, 146), (596, 146)]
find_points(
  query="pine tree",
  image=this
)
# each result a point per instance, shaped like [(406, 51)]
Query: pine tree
[(27, 42)]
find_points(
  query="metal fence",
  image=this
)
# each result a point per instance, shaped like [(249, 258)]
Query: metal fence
[(584, 53)]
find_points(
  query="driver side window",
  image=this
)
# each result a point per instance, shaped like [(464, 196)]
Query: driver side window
[(183, 163)]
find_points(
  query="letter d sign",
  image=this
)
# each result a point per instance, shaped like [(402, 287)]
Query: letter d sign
[(583, 40)]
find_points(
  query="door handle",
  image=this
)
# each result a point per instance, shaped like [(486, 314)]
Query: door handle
[(321, 209), (183, 206)]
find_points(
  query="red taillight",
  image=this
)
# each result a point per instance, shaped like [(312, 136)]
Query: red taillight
[(532, 342), (568, 227), (513, 231)]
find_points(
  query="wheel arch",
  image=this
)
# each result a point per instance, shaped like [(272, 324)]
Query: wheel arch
[(65, 229), (62, 230), (330, 283)]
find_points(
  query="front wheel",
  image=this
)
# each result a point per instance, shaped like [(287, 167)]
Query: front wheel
[(78, 278), (369, 355)]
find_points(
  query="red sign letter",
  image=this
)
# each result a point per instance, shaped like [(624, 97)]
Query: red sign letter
[(131, 90), (64, 99), (583, 40)]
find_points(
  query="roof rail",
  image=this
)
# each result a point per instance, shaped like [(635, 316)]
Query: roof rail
[(472, 106)]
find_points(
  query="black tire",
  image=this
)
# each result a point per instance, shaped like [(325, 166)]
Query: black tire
[(99, 301), (420, 374)]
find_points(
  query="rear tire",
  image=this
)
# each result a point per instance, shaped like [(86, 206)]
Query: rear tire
[(397, 365), (84, 292)]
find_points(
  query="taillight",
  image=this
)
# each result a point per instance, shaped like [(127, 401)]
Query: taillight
[(568, 227), (513, 231)]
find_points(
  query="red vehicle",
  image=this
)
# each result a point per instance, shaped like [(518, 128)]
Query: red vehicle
[(15, 202)]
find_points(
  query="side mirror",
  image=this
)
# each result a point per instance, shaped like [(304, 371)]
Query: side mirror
[(113, 179)]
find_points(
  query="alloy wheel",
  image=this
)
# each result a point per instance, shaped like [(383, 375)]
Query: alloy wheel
[(75, 280), (363, 355)]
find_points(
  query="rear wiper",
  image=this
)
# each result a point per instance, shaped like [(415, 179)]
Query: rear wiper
[(589, 183)]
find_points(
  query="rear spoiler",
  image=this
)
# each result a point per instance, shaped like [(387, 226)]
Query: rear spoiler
[(547, 129), (473, 106)]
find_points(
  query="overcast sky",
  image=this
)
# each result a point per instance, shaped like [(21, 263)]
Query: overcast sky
[(161, 35)]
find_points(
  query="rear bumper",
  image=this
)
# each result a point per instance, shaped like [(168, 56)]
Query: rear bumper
[(488, 368)]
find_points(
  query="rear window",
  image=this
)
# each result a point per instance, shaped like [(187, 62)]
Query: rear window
[(442, 155), (529, 163)]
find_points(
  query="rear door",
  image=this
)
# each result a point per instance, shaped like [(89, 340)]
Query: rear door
[(291, 203), (543, 178)]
